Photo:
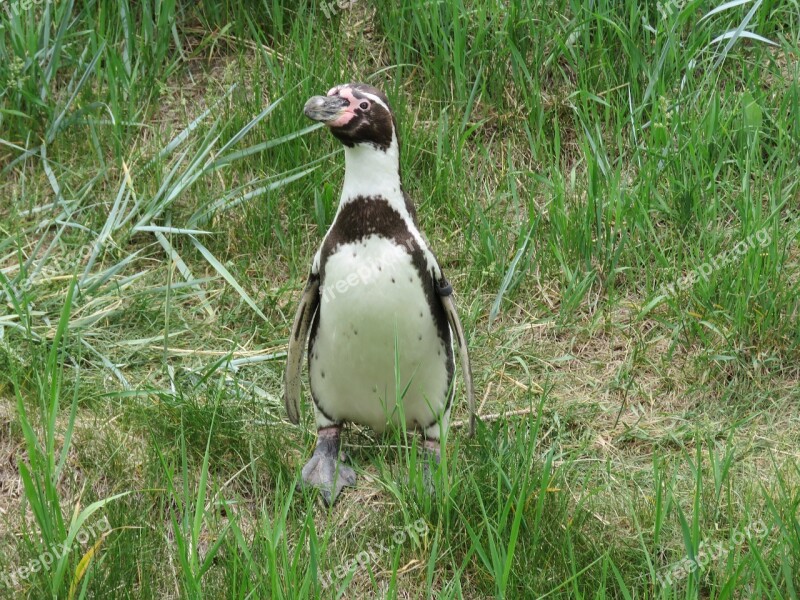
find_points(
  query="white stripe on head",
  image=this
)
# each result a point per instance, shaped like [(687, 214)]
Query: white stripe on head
[(349, 86), (376, 100)]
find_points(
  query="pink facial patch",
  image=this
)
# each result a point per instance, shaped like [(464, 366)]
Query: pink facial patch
[(348, 114)]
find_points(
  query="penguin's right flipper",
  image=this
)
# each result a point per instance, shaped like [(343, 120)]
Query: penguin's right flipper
[(445, 291), (308, 306)]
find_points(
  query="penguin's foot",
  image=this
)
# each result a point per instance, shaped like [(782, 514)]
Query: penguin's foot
[(326, 470), (431, 456), (431, 449)]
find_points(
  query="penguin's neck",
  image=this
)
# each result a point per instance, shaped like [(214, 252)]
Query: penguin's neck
[(372, 172)]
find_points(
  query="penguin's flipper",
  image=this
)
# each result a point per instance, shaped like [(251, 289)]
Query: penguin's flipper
[(446, 295), (297, 345)]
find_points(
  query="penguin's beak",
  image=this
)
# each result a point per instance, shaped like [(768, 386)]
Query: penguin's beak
[(325, 108)]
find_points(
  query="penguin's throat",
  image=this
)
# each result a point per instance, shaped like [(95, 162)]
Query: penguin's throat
[(370, 171)]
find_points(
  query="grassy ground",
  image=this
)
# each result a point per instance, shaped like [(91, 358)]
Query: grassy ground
[(612, 187)]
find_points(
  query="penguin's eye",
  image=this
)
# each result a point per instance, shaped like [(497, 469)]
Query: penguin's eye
[(364, 105)]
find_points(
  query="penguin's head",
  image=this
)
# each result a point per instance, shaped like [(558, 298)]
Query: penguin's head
[(356, 113)]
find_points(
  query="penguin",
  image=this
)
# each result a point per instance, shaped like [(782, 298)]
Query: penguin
[(377, 310)]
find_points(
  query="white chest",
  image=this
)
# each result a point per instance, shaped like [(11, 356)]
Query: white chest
[(377, 341)]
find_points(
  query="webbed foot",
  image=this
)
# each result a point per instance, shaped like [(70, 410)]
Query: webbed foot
[(326, 470), (430, 456)]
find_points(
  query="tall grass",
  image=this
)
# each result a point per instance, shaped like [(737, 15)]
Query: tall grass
[(573, 162)]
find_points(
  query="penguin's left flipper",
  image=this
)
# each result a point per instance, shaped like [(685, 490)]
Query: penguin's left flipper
[(308, 306), (445, 291)]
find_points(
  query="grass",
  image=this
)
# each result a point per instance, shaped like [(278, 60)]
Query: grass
[(573, 164)]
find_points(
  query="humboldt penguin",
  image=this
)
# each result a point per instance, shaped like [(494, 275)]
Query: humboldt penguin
[(377, 310)]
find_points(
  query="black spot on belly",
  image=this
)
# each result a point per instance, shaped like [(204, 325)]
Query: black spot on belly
[(323, 374), (419, 338), (392, 279)]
